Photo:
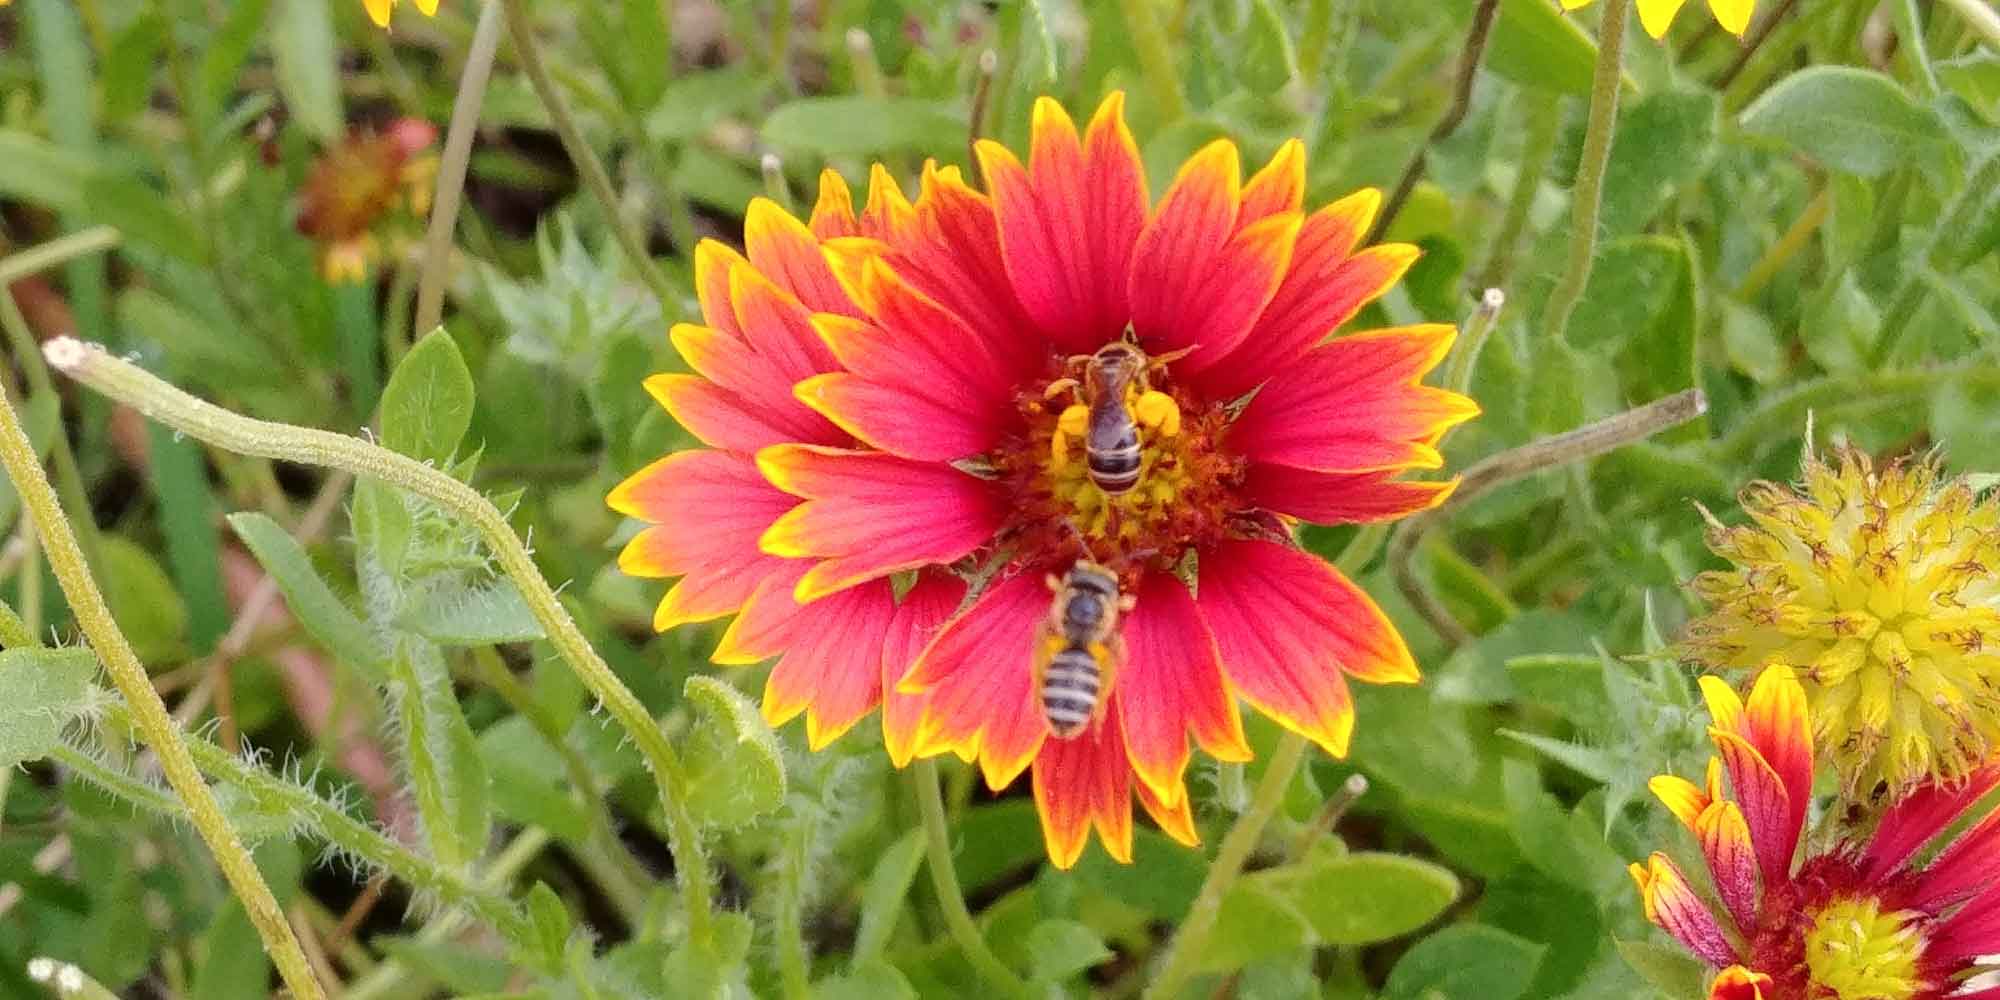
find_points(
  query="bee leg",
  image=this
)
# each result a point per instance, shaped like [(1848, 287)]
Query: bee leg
[(1158, 411), (1060, 386)]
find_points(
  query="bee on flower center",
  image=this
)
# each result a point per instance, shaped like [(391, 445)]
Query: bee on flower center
[(1117, 400), (1077, 647)]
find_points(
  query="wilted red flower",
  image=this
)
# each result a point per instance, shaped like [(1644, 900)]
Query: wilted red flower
[(356, 184), (906, 372), (1861, 921)]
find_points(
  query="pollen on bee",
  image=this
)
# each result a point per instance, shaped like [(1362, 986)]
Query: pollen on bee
[(1156, 410)]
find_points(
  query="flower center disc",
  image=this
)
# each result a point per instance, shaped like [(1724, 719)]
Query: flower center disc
[(1854, 951), (1185, 495)]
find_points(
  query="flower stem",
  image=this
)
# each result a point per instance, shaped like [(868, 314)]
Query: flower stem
[(937, 838), (203, 421), (794, 958), (1185, 948), (587, 164), (1983, 18), (81, 243), (149, 712), (451, 169), (1788, 245), (1910, 32), (1588, 194), (1461, 103), (1156, 57), (392, 977)]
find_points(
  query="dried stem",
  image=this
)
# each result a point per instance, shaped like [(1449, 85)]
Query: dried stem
[(204, 421), (1237, 844), (1587, 197), (451, 169), (1588, 441), (150, 713), (1461, 102), (944, 878), (1343, 799)]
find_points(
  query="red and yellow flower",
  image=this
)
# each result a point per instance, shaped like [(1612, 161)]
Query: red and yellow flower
[(1864, 920), (366, 188), (1658, 15), (882, 392), (379, 10)]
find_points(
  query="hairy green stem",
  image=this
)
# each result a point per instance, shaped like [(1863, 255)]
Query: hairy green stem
[(1587, 197), (209, 423), (452, 167), (1185, 948), (1982, 17), (944, 878), (69, 479), (1472, 340), (1954, 225), (56, 252), (93, 616), (391, 977), (1156, 57), (587, 164), (1785, 412), (794, 959)]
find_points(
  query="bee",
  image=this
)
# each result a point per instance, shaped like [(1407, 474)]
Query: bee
[(1077, 647), (1118, 398)]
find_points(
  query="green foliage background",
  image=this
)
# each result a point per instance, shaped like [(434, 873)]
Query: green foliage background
[(1805, 225)]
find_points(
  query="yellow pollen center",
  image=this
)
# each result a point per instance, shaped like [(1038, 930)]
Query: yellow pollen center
[(1854, 951), (1163, 474)]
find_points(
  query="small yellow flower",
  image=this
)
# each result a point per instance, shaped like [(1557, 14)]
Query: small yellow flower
[(1658, 15), (378, 10), (1874, 586)]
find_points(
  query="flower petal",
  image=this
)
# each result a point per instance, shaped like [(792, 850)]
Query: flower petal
[(1682, 797), (1733, 15), (888, 214), (1777, 723), (1068, 221), (833, 214), (929, 604), (1278, 188), (1921, 817), (1732, 861), (1288, 624), (896, 420), (1968, 867), (713, 262), (979, 673), (1355, 405), (833, 669), (1340, 498), (778, 325), (763, 628), (1739, 983), (707, 508), (1171, 685), (1080, 783), (1326, 284), (1197, 281), (788, 254), (1658, 15), (868, 514), (918, 344), (951, 253), (723, 419), (1672, 905), (1972, 931), (1177, 820), (1761, 794)]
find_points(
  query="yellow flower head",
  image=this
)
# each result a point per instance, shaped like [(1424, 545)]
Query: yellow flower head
[(379, 10), (1872, 585), (1658, 15)]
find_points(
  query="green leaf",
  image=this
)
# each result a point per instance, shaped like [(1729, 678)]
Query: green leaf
[(854, 126), (461, 969), (428, 403), (474, 616), (46, 688), (874, 980), (129, 67), (1465, 962), (143, 599), (882, 900), (1628, 287), (306, 57), (1852, 120), (1974, 76), (1256, 923), (141, 214), (187, 517), (1669, 967), (446, 776), (1534, 45), (530, 785), (1059, 949), (35, 170), (195, 345), (1664, 142), (310, 600), (1750, 343), (1363, 898), (549, 921), (1269, 60), (226, 51), (734, 768)]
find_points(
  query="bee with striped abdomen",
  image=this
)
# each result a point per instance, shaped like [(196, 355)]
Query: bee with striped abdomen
[(1117, 399), (1077, 647)]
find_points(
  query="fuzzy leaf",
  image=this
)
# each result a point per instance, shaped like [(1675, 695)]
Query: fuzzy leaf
[(844, 126), (874, 980), (882, 900), (1465, 962), (311, 601), (550, 922), (1668, 967), (734, 768), (306, 57), (45, 689), (428, 403), (1363, 898), (447, 779), (1060, 949), (1853, 120), (474, 616)]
